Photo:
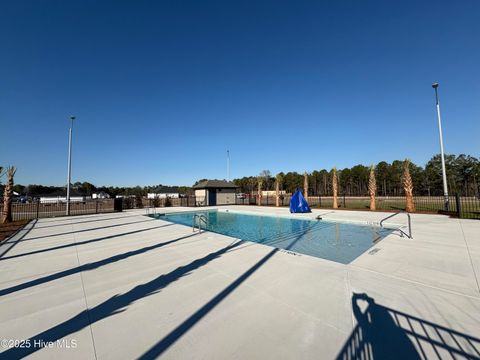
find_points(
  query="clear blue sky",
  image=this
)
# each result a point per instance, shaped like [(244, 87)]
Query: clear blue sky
[(162, 88)]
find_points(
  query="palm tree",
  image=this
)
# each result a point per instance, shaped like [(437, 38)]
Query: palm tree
[(1, 174), (260, 183), (305, 185), (334, 187), (372, 188), (7, 196), (279, 180), (408, 187)]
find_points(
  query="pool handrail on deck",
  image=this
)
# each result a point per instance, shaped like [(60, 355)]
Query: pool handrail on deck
[(409, 235)]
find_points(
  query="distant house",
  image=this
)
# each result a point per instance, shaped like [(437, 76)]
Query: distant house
[(163, 195), (60, 196), (100, 195), (215, 192)]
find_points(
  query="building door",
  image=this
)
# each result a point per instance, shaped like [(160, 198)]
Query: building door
[(212, 197)]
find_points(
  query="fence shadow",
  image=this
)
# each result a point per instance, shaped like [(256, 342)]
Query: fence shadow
[(161, 346), (384, 333), (49, 236), (90, 266), (12, 244), (114, 305), (67, 221), (85, 242), (119, 303)]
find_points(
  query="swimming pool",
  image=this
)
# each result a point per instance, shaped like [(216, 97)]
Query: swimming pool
[(340, 242)]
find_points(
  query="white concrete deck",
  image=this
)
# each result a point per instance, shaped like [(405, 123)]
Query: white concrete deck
[(122, 286)]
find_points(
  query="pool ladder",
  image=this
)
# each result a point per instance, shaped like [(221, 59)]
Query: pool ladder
[(151, 210), (197, 221), (409, 235)]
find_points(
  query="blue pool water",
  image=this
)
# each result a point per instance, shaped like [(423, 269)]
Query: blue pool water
[(340, 242)]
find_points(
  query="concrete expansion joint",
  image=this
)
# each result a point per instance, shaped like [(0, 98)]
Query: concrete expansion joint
[(476, 297), (84, 293), (470, 257)]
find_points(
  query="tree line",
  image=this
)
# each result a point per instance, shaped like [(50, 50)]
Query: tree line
[(463, 174), (87, 189)]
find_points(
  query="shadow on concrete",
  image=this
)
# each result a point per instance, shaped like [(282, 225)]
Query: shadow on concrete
[(89, 266), (13, 243), (85, 230), (118, 304), (384, 333), (87, 221), (82, 242), (160, 347)]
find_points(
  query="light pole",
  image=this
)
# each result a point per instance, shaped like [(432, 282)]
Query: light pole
[(69, 180), (444, 173), (228, 165)]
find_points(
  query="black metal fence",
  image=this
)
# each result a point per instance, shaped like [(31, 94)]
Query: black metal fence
[(37, 209), (139, 202), (460, 206)]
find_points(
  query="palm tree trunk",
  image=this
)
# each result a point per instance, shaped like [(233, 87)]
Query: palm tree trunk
[(7, 196), (372, 188), (408, 187), (277, 194), (259, 196), (305, 186), (335, 188)]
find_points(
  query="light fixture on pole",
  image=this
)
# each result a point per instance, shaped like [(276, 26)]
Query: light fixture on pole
[(69, 177), (444, 173)]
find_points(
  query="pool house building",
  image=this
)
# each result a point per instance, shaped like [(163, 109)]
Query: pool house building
[(215, 192)]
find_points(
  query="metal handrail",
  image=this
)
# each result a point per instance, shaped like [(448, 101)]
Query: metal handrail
[(201, 218), (148, 208), (409, 235)]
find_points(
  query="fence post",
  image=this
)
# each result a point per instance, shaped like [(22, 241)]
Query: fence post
[(38, 205), (344, 205), (96, 206), (459, 205)]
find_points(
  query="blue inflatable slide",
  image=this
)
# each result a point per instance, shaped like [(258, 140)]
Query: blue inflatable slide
[(298, 204)]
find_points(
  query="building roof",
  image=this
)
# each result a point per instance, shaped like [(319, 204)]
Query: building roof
[(215, 184)]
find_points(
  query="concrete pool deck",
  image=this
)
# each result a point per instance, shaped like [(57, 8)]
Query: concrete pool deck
[(122, 286)]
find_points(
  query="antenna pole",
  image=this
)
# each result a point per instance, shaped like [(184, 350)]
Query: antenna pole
[(228, 165)]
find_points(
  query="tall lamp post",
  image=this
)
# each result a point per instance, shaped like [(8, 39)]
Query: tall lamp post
[(69, 180), (444, 174), (228, 165)]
